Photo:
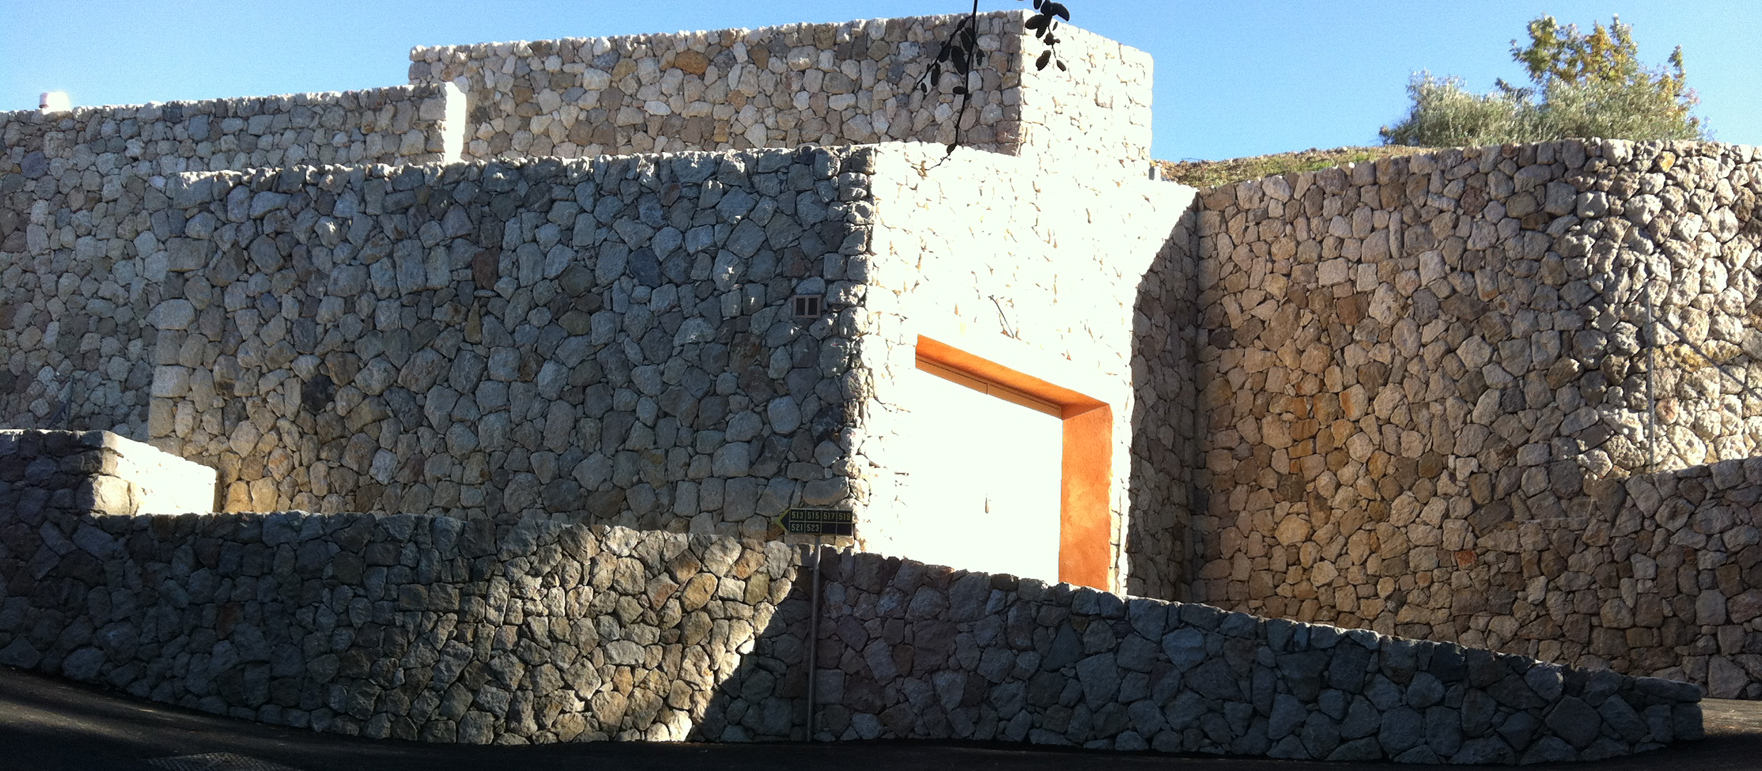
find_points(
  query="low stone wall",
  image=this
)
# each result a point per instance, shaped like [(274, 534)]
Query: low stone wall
[(84, 235), (917, 651), (400, 626), (442, 629), (97, 472), (827, 84), (398, 124)]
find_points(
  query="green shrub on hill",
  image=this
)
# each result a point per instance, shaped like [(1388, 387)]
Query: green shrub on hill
[(1584, 85)]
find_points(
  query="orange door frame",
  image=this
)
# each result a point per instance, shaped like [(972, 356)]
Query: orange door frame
[(1085, 530)]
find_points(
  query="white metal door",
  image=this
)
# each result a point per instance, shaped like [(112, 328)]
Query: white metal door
[(984, 482)]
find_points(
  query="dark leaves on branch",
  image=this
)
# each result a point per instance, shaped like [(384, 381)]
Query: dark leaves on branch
[(961, 54), (1042, 24)]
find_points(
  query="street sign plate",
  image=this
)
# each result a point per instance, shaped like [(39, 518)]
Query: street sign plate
[(807, 520)]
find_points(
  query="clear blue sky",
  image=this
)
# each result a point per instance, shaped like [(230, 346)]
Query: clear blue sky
[(1232, 78)]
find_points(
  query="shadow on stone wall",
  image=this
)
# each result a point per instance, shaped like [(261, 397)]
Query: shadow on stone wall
[(396, 626), (1159, 543), (765, 699), (471, 631), (915, 651)]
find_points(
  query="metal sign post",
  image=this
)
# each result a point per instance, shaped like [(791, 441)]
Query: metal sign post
[(819, 523), (814, 643)]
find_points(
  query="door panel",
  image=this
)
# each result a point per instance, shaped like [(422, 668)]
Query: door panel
[(984, 490)]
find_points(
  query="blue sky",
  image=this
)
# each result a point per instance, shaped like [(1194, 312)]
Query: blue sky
[(1232, 79)]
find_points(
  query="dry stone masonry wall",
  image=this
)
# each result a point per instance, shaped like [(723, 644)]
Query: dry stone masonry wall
[(369, 338), (80, 251), (1162, 543), (828, 84), (1093, 117), (916, 651), (1503, 398), (401, 626), (1433, 391), (399, 124), (443, 629), (223, 311), (1686, 610), (609, 341)]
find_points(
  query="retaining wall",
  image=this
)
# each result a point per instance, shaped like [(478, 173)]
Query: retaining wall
[(1414, 373), (81, 248), (828, 84), (444, 629)]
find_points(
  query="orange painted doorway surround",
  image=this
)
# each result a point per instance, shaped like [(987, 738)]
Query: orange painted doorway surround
[(1085, 491)]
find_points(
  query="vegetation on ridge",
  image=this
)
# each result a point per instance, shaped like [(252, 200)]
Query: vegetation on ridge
[(1212, 173), (1583, 85)]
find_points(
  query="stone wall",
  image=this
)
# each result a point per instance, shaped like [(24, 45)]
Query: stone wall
[(1415, 372), (81, 249), (828, 84), (379, 338), (398, 626), (924, 652), (1093, 117), (398, 124), (1033, 269), (1163, 546), (369, 338), (96, 472), (443, 629), (1670, 585), (608, 341)]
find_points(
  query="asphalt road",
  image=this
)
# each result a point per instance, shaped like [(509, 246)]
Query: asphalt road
[(47, 724)]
